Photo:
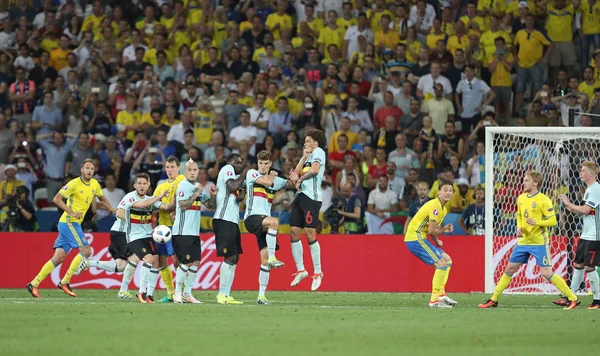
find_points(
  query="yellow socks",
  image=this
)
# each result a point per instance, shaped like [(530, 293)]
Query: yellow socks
[(44, 272), (167, 277), (443, 290), (72, 268), (501, 286), (438, 280), (562, 286)]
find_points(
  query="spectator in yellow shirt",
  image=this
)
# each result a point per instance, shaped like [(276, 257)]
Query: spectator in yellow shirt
[(436, 34), (590, 27), (313, 23), (58, 56), (279, 20), (500, 64), (528, 49), (460, 40), (386, 38), (559, 25), (589, 83), (148, 23), (331, 34), (473, 23)]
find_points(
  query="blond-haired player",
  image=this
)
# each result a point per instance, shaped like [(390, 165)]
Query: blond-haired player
[(535, 215)]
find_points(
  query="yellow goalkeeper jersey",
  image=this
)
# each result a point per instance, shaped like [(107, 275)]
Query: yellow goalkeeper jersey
[(540, 208), (418, 228), (164, 218)]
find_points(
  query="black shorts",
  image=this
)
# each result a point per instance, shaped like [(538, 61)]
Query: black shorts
[(187, 248), (228, 239), (305, 212), (588, 253), (143, 247), (118, 248), (254, 225)]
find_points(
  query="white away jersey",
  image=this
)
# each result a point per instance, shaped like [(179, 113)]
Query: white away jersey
[(591, 222), (228, 208), (312, 187), (258, 197)]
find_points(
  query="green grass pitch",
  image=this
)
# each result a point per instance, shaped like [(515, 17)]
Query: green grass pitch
[(296, 323)]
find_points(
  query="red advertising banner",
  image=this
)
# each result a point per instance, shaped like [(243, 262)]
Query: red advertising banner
[(354, 263)]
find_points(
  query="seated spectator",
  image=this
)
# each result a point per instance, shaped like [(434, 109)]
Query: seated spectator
[(411, 122), (378, 169), (352, 211), (359, 119), (25, 219), (388, 109), (382, 201), (395, 183), (414, 206), (78, 154), (112, 193), (472, 220), (150, 161), (243, 132), (163, 145), (8, 188), (462, 197), (280, 122), (403, 157)]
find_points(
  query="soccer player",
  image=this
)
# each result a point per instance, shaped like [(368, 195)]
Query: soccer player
[(226, 219), (164, 218), (136, 208), (123, 259), (186, 230), (261, 186), (535, 215), (589, 242), (79, 193), (306, 206), (428, 220)]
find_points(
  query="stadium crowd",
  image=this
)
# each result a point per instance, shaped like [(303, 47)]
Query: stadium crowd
[(402, 89)]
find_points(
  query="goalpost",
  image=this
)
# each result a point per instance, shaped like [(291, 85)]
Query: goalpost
[(556, 152)]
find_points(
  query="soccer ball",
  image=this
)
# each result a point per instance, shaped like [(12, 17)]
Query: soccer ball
[(161, 234)]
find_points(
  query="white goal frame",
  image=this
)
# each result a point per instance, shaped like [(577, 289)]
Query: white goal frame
[(490, 131)]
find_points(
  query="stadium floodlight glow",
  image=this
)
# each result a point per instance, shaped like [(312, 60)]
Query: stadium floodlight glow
[(556, 152)]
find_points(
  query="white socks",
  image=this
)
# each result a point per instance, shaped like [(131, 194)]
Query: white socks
[(263, 280), (108, 266), (226, 270), (127, 276), (271, 242), (152, 280), (144, 275), (578, 275), (594, 282), (315, 252), (180, 276), (297, 252), (189, 280)]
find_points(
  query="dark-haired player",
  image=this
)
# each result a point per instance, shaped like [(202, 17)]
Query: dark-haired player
[(428, 221), (306, 206)]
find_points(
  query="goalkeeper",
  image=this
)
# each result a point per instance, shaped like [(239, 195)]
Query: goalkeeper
[(535, 215), (587, 255)]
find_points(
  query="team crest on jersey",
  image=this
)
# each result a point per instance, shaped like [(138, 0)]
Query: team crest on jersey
[(254, 175), (435, 212), (224, 250), (187, 257), (144, 250), (81, 192), (180, 194), (533, 205), (131, 200), (229, 173), (93, 191), (65, 187), (122, 203)]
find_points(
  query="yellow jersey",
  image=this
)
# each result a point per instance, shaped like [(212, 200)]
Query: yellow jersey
[(531, 47), (284, 21), (590, 17), (462, 202), (387, 40), (328, 36), (589, 89), (376, 18), (447, 28), (500, 76), (150, 56), (58, 58), (203, 126), (435, 188), (488, 41), (92, 22), (127, 119), (79, 195), (432, 39), (415, 48), (540, 208), (478, 24), (347, 23), (418, 228), (456, 42), (164, 217), (315, 25), (495, 6), (560, 23)]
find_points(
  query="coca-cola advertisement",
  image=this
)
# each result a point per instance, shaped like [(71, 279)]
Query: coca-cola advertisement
[(528, 279), (356, 263)]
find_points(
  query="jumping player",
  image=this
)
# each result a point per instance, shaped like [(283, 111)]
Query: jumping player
[(428, 220), (261, 186), (306, 206), (79, 192), (186, 230), (164, 218), (226, 224), (535, 215)]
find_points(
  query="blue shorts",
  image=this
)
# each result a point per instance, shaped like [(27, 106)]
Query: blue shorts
[(166, 249), (521, 254), (425, 251), (70, 236)]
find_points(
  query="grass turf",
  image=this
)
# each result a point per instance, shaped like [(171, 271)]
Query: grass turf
[(296, 323)]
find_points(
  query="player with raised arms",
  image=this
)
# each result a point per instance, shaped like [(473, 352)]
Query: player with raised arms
[(79, 192), (428, 220), (587, 255), (535, 215), (136, 208), (306, 206), (164, 218), (226, 226), (261, 186), (186, 230)]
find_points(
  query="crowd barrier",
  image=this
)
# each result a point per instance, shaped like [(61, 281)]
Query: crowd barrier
[(355, 263)]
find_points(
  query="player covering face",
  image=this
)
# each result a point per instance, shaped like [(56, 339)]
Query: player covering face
[(535, 216), (427, 221)]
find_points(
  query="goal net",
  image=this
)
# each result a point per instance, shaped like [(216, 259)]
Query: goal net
[(555, 152)]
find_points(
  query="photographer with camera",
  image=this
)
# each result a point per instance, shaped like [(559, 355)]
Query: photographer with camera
[(24, 218), (350, 210), (8, 191)]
